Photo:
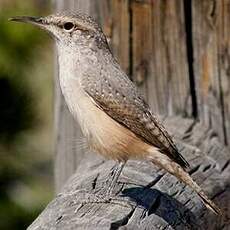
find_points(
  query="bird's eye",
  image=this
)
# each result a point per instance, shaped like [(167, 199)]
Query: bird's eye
[(68, 26)]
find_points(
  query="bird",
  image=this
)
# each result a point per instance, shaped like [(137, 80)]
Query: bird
[(114, 117)]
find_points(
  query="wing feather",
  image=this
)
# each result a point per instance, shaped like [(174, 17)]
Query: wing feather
[(119, 98)]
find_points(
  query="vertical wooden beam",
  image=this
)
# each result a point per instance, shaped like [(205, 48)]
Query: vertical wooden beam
[(120, 40), (224, 66), (211, 44), (141, 44), (159, 58)]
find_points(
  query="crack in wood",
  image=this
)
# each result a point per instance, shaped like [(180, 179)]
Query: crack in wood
[(116, 225), (222, 106), (155, 181), (130, 40), (213, 9), (189, 46), (188, 132), (207, 167), (194, 169), (225, 165), (95, 181)]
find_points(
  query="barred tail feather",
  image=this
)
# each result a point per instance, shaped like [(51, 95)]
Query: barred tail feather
[(175, 169), (209, 204)]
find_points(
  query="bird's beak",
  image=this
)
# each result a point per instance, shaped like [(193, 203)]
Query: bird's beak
[(38, 21)]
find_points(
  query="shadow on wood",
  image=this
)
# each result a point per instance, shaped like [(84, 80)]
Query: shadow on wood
[(162, 205)]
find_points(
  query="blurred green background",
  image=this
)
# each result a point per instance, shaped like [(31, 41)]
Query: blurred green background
[(26, 115)]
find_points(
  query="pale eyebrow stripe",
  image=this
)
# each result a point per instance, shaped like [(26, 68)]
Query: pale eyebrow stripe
[(85, 26)]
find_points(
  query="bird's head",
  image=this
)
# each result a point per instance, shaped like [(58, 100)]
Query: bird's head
[(69, 29)]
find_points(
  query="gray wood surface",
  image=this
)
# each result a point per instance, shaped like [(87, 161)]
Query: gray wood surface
[(211, 45), (159, 58), (159, 200)]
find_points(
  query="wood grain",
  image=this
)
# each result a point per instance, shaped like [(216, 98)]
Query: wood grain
[(159, 55), (120, 37), (211, 44)]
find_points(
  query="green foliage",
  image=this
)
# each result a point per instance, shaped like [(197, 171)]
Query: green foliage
[(24, 147), (18, 218), (17, 49), (17, 44), (15, 106)]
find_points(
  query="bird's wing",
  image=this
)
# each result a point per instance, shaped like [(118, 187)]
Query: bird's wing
[(117, 96)]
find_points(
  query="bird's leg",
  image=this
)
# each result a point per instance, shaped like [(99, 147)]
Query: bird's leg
[(115, 173), (105, 195)]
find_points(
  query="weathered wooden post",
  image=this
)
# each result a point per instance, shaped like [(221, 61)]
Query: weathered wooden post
[(178, 53)]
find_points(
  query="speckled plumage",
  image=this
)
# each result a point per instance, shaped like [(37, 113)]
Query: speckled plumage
[(116, 95)]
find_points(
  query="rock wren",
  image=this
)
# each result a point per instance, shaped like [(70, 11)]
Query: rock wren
[(113, 116)]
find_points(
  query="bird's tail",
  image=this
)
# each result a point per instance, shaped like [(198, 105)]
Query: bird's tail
[(172, 167)]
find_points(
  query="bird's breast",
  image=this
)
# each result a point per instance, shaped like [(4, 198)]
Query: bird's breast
[(104, 135)]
